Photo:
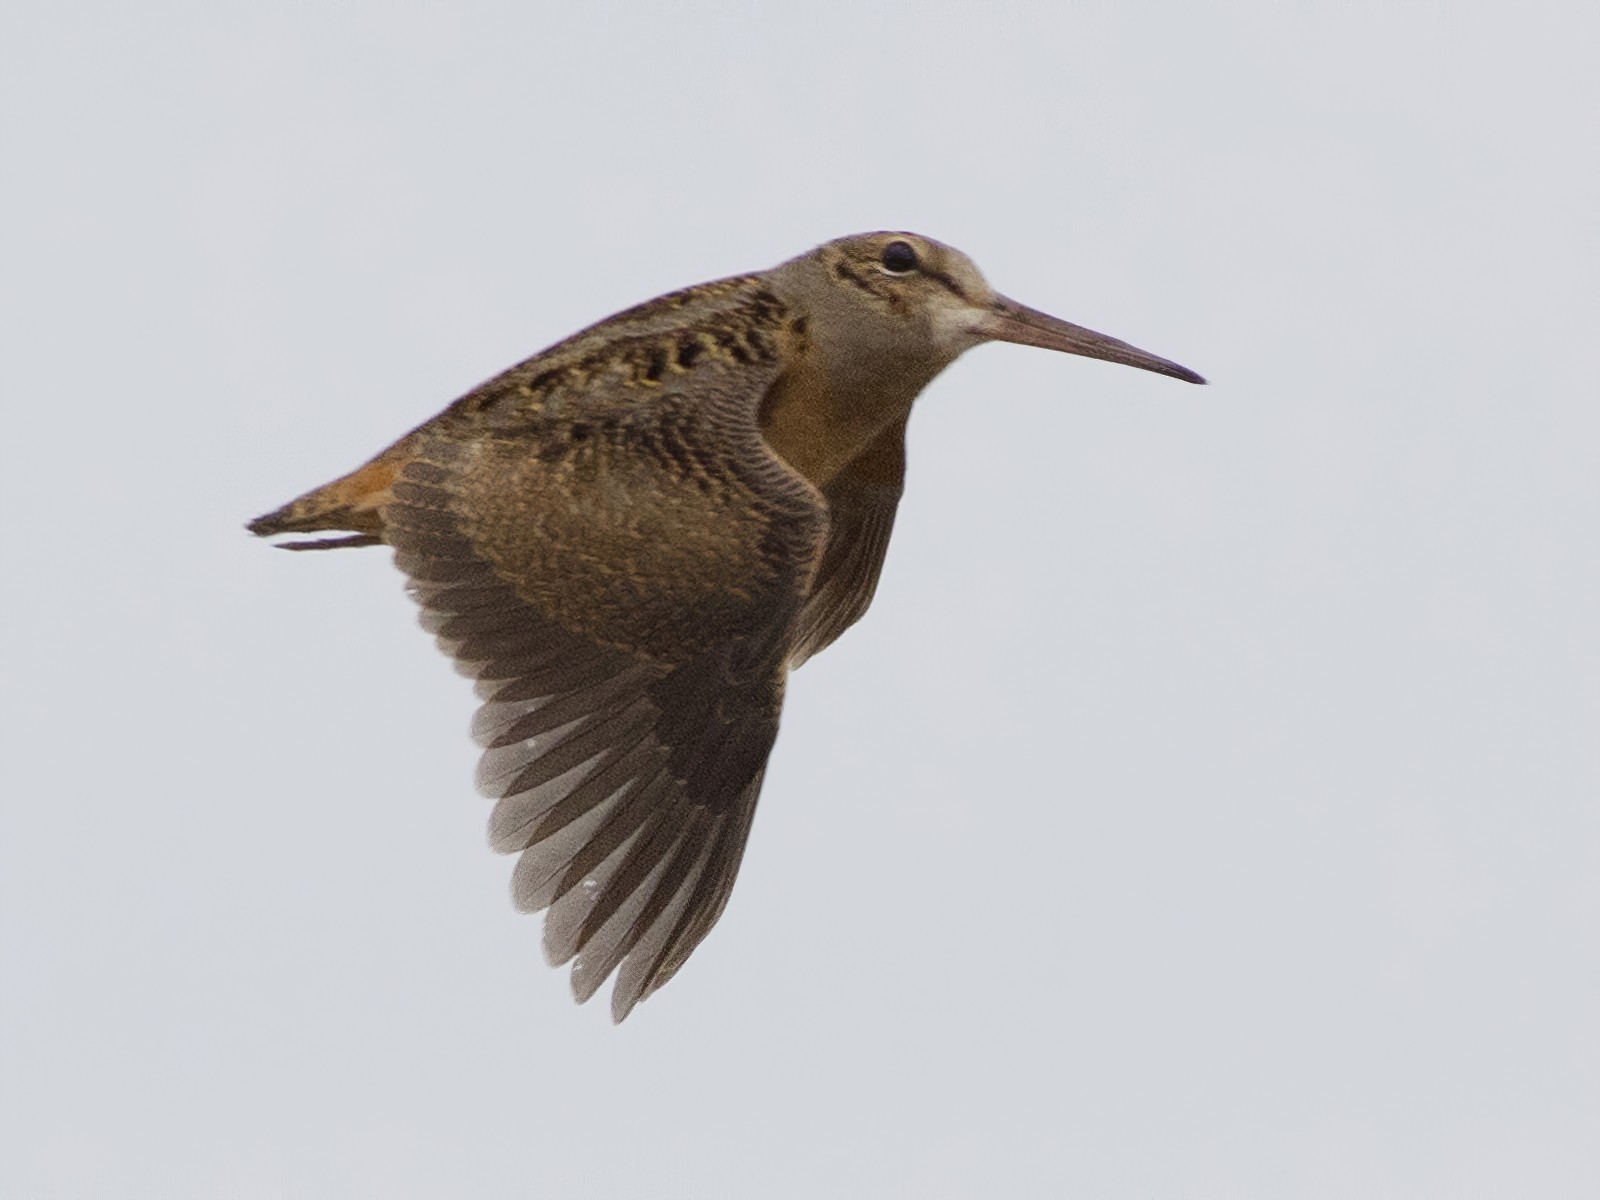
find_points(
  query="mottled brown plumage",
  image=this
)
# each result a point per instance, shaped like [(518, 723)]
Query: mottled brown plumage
[(630, 539)]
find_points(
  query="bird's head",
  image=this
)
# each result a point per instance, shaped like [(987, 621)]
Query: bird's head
[(905, 294)]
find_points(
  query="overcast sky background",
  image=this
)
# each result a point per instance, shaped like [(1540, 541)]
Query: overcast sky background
[(1209, 805)]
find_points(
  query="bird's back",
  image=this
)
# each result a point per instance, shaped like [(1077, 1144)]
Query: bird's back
[(621, 380)]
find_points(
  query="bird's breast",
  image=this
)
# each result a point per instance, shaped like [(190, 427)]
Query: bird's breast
[(819, 417)]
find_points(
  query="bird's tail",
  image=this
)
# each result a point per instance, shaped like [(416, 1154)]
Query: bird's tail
[(352, 503)]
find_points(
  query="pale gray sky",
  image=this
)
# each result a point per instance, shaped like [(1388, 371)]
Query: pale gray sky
[(1210, 804)]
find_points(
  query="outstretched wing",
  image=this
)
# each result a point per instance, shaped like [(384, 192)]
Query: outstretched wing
[(862, 500), (623, 588)]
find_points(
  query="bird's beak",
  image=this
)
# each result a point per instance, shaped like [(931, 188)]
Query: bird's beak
[(1008, 321)]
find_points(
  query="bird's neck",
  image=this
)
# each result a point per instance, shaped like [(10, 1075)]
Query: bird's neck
[(843, 385)]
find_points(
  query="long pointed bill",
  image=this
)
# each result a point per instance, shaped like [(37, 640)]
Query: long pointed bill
[(1009, 321)]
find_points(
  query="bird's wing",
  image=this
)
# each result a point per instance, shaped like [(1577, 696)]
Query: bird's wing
[(862, 500), (624, 592)]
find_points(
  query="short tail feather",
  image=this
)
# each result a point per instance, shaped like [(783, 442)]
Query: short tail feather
[(333, 543)]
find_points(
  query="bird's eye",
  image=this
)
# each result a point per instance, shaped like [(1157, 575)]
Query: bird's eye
[(899, 258)]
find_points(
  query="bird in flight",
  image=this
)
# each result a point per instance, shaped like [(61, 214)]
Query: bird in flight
[(631, 538)]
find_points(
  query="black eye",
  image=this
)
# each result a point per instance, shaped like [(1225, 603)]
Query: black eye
[(899, 258)]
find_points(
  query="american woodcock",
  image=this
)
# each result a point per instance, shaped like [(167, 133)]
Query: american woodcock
[(630, 539)]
